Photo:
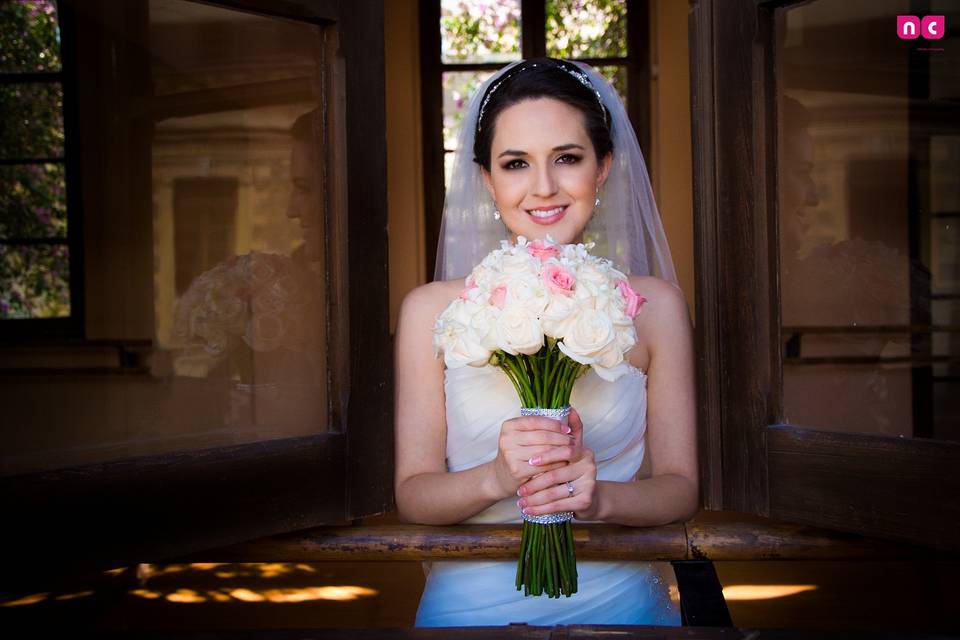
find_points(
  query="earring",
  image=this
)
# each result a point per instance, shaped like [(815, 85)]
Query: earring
[(496, 214), (596, 203)]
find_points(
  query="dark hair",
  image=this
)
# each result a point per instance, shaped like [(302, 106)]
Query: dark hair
[(541, 78)]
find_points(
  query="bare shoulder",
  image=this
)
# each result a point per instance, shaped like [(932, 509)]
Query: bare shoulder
[(432, 296), (663, 314), (664, 300), (428, 300)]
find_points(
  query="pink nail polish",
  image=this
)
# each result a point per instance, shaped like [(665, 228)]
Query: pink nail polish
[(568, 429), (518, 492), (525, 512)]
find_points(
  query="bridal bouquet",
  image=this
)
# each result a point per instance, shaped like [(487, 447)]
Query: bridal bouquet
[(544, 313)]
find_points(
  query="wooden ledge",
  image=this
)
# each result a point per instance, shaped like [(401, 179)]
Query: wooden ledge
[(709, 536)]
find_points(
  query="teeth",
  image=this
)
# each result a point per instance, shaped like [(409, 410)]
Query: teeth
[(546, 214)]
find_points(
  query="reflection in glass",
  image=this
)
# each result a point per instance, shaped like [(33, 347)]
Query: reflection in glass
[(29, 36), (205, 227), (32, 122), (34, 281), (868, 303), (33, 201), (479, 30), (582, 29)]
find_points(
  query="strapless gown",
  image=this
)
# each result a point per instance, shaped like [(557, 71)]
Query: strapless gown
[(482, 593)]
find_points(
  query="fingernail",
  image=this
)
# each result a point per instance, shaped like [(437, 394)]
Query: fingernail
[(521, 503), (567, 429), (534, 461), (525, 512), (518, 492)]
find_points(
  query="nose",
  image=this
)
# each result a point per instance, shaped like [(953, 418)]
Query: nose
[(545, 182)]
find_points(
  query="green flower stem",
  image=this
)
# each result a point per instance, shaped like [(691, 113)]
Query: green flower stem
[(560, 558)]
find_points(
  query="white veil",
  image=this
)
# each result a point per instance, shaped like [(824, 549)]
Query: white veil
[(626, 226)]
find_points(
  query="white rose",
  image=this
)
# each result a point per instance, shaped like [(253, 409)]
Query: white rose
[(559, 315), (592, 333), (520, 331), (484, 328), (519, 262), (452, 336), (527, 291)]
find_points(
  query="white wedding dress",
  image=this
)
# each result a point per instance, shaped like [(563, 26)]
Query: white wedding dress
[(482, 593)]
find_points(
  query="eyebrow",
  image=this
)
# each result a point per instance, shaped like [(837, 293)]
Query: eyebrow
[(563, 147)]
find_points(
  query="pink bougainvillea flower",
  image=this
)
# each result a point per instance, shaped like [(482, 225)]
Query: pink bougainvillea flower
[(633, 299)]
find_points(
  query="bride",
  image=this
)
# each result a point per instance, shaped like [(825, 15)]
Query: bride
[(546, 148)]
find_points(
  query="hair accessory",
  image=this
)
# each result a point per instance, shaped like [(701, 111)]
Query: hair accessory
[(580, 76)]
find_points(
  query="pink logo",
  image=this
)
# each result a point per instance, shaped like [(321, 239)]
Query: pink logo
[(932, 27), (908, 27), (912, 27)]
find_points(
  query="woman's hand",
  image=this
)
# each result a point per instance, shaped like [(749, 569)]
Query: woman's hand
[(530, 445), (550, 491)]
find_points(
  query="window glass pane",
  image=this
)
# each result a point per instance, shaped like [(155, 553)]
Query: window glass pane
[(206, 234), (29, 36), (458, 88), (479, 30), (34, 281), (33, 201), (868, 207), (617, 75), (586, 29), (32, 122)]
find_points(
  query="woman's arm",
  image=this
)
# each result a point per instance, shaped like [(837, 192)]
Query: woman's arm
[(426, 492), (672, 492)]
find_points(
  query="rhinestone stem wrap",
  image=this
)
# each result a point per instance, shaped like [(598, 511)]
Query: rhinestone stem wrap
[(562, 414)]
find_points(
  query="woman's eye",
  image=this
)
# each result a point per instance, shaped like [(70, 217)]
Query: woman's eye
[(515, 164), (568, 158)]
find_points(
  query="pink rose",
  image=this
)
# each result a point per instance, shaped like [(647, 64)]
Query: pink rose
[(542, 250), (499, 296), (559, 280), (465, 294), (633, 299)]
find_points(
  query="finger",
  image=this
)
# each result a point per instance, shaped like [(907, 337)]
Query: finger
[(551, 494), (540, 438), (575, 503), (561, 474), (565, 453), (538, 423), (576, 427)]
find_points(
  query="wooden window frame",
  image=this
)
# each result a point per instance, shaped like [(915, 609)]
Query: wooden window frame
[(533, 45), (902, 489), (148, 508)]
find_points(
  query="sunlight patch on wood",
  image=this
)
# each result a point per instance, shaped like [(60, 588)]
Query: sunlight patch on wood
[(764, 591)]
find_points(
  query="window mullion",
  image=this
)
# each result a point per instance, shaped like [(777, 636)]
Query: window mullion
[(533, 28)]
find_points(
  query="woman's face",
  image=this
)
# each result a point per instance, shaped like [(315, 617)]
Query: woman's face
[(544, 174)]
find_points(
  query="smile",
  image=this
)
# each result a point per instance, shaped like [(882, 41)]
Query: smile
[(547, 216)]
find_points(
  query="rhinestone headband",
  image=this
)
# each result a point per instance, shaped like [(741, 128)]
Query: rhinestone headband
[(579, 75)]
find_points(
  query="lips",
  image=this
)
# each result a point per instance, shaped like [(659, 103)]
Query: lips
[(547, 215)]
